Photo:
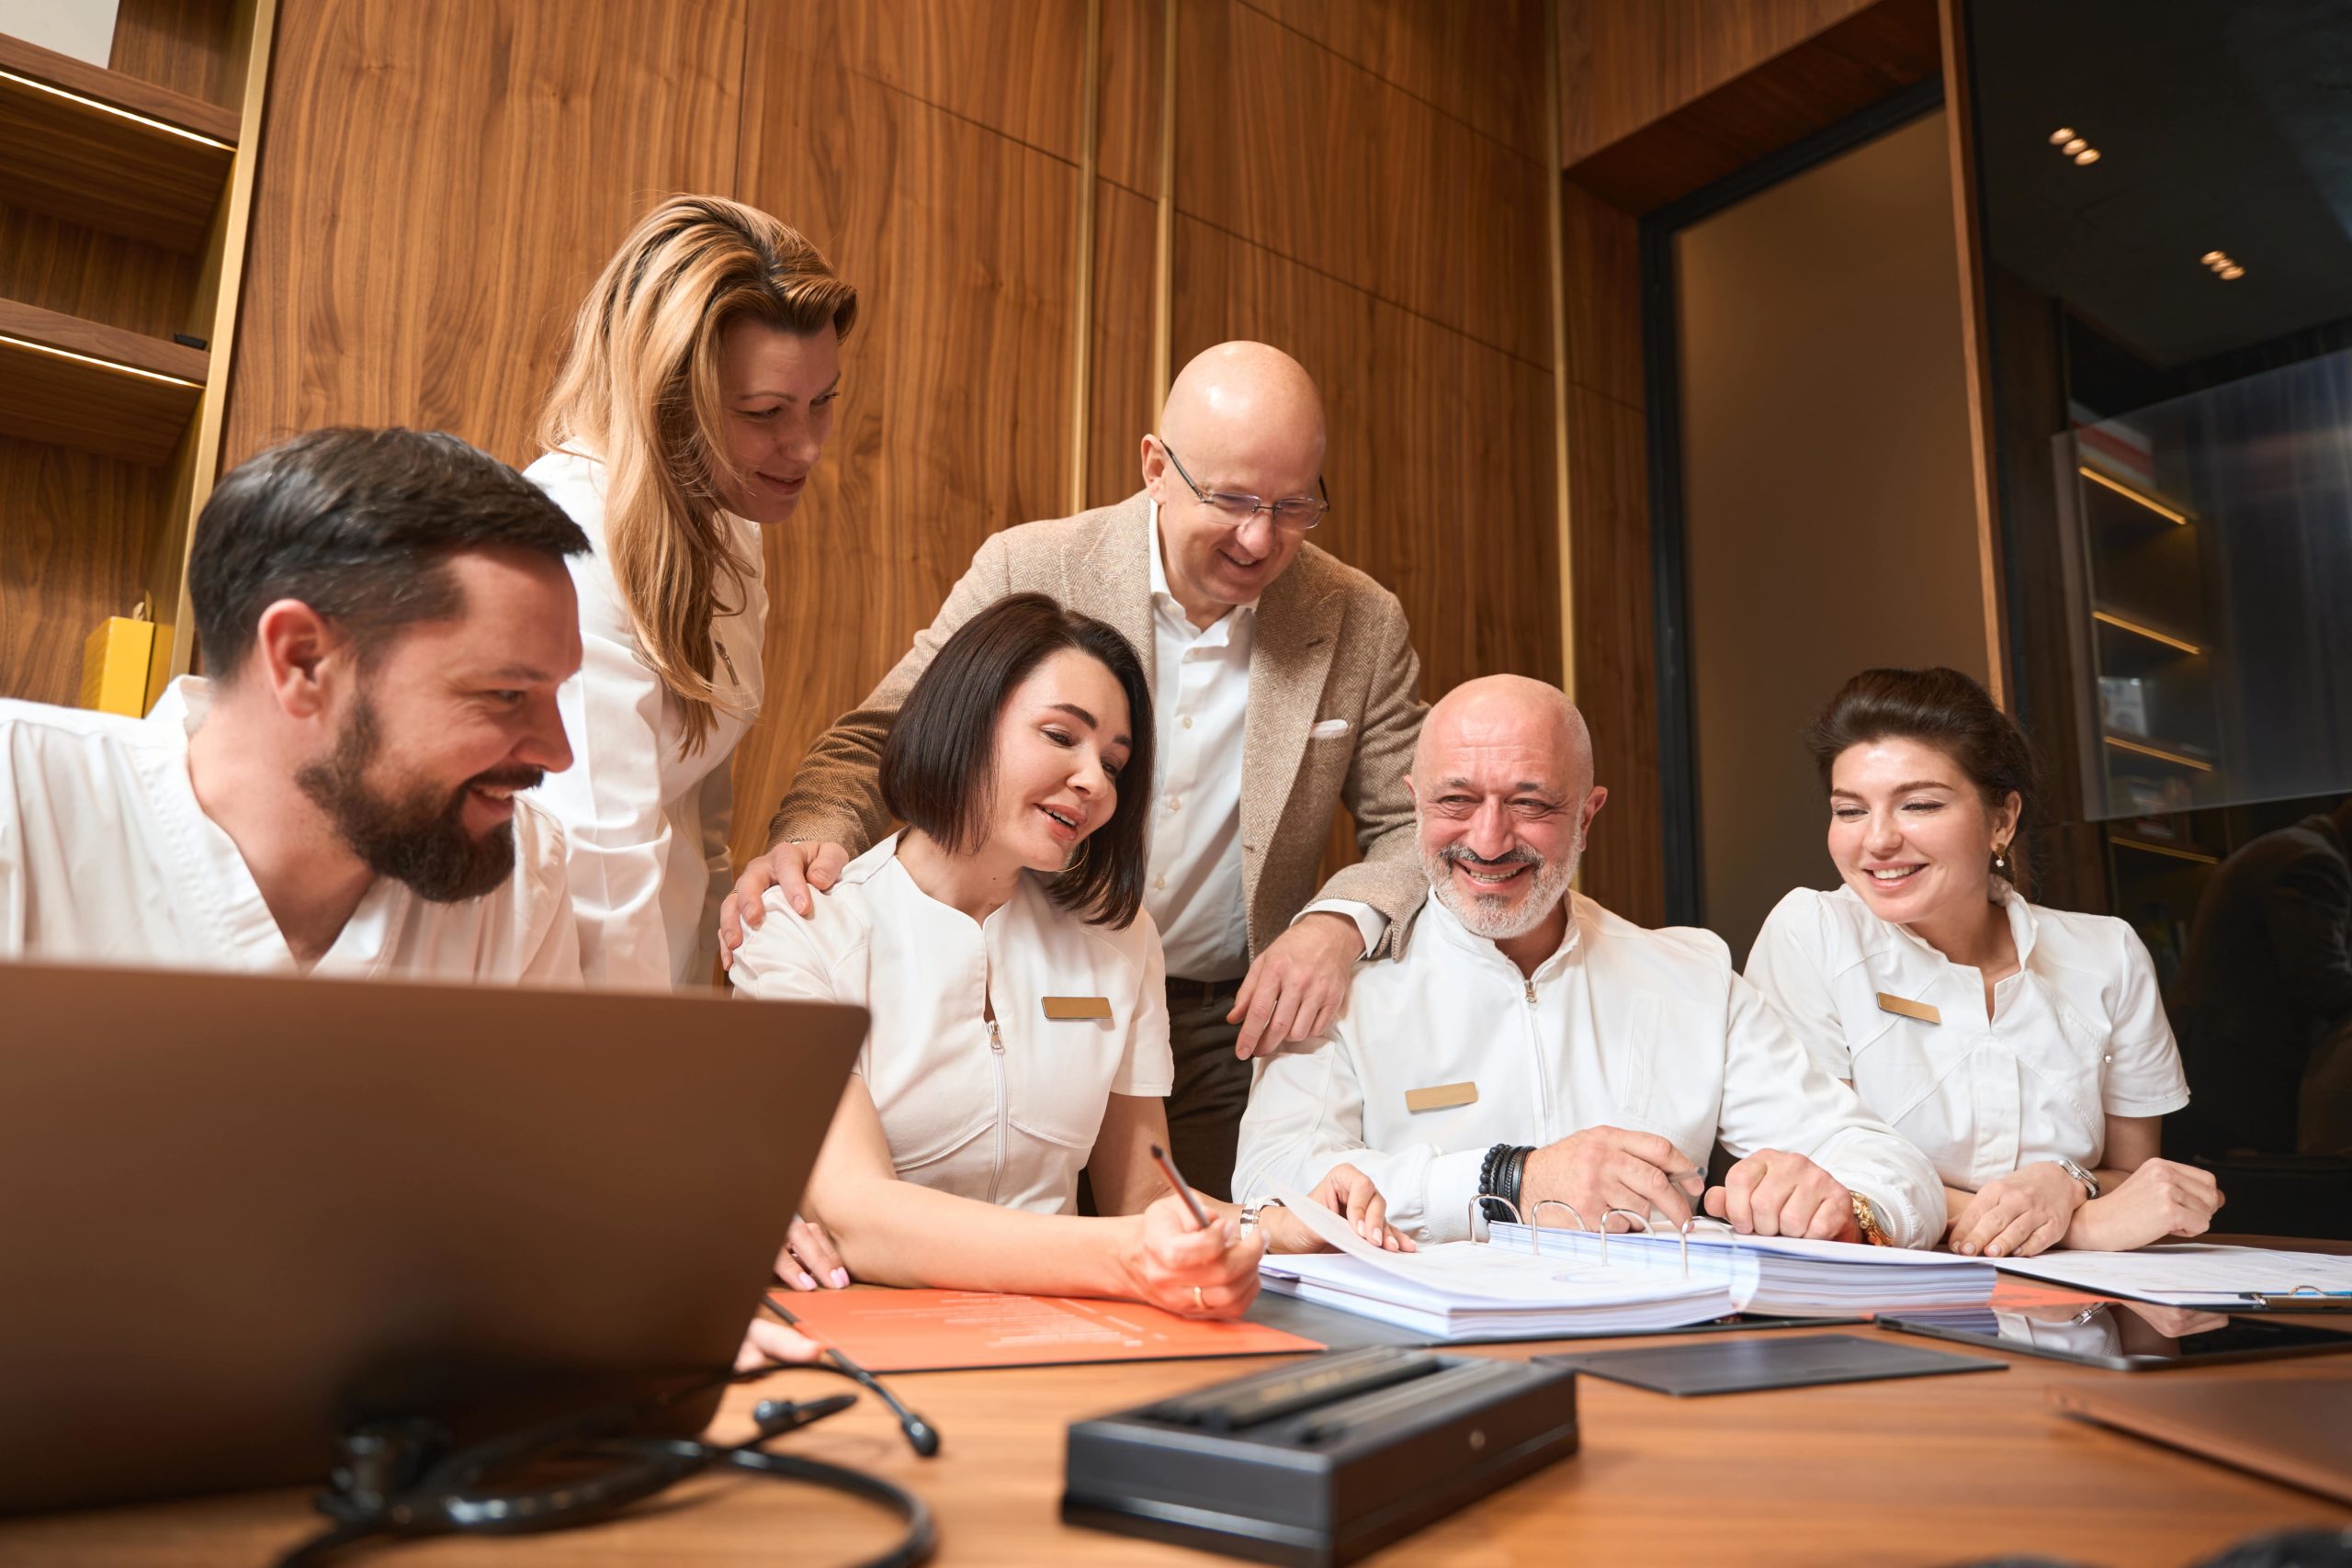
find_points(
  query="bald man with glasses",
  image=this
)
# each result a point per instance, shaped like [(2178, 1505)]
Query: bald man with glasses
[(1284, 683)]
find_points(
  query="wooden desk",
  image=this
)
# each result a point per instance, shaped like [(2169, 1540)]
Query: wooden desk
[(1930, 1470)]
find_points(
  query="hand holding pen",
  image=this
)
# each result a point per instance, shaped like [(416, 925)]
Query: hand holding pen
[(1188, 1260)]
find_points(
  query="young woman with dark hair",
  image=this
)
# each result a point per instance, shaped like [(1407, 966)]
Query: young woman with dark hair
[(1020, 1021), (2024, 1049)]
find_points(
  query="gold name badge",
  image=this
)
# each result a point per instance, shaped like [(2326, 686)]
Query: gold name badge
[(1906, 1007), (1441, 1096), (1063, 1008)]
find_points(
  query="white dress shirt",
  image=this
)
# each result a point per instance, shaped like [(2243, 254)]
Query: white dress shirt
[(1006, 1109), (1201, 704), (105, 857), (1649, 1030), (646, 824), (2077, 1034)]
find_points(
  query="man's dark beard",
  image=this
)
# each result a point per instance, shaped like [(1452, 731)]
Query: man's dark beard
[(420, 839)]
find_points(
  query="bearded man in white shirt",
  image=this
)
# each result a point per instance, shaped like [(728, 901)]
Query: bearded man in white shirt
[(1529, 1044), (1284, 684), (385, 616)]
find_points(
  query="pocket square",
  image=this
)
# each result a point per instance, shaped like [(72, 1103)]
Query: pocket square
[(1327, 728)]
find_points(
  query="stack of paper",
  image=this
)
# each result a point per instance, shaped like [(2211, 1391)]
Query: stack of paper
[(2193, 1274), (1465, 1290), (1795, 1278)]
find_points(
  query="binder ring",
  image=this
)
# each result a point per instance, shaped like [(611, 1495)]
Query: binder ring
[(1684, 1230), (1644, 1220), (1477, 1208), (1535, 1231)]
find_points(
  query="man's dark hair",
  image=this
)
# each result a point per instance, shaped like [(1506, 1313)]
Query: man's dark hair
[(939, 763), (1945, 709), (359, 525)]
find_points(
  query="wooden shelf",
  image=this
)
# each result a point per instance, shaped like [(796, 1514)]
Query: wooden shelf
[(2154, 751), (2130, 646), (98, 148), (2151, 509), (78, 383)]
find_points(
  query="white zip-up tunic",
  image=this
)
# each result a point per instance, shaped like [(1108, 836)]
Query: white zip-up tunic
[(2076, 1035), (1005, 1109), (1649, 1030)]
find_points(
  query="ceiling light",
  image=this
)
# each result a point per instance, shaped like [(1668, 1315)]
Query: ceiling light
[(2214, 258), (2087, 155), (2061, 136), (2233, 271), (2073, 144)]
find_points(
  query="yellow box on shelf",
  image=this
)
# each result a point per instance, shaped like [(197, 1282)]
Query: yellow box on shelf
[(114, 665)]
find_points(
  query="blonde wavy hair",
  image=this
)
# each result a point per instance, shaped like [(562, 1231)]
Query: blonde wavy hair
[(640, 390)]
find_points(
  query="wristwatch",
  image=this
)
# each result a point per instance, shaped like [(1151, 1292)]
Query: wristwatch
[(1866, 1221), (2090, 1182)]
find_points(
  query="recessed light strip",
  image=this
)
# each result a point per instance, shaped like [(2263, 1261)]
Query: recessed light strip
[(2148, 632), (2159, 753), (119, 113), (2128, 493), (2197, 855), (114, 364)]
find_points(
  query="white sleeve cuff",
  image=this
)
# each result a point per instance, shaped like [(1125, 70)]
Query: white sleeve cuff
[(1369, 920), (1452, 1181)]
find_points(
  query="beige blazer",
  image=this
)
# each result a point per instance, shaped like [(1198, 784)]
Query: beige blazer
[(1329, 644)]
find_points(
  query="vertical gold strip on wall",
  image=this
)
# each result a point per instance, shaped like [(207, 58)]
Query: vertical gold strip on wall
[(1959, 135), (200, 460), (1552, 177), (1081, 395), (1163, 261)]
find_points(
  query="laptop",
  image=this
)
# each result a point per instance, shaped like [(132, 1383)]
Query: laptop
[(240, 1214)]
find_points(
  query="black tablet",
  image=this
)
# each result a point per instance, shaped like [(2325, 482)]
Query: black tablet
[(2125, 1336)]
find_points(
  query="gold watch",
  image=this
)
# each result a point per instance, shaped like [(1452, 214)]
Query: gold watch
[(1866, 1221)]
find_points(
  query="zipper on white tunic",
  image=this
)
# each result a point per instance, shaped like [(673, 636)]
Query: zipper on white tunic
[(996, 1057), (1535, 1059)]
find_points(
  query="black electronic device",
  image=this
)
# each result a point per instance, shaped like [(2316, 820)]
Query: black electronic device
[(1322, 1462), (2125, 1336)]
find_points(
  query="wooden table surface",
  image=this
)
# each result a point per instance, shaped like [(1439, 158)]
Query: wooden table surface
[(1939, 1469)]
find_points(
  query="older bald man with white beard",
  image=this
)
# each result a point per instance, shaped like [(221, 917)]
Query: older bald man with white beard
[(1527, 1043)]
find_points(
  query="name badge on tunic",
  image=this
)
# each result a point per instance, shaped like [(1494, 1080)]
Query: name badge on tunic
[(1906, 1007), (1441, 1096), (1061, 1010)]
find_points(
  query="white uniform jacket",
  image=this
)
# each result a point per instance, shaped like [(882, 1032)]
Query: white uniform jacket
[(105, 857), (1005, 1110), (1623, 1027), (2076, 1035), (647, 823)]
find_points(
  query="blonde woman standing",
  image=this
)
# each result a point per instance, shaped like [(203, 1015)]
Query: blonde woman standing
[(696, 396)]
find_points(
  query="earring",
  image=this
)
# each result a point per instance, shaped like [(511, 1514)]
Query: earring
[(2001, 858)]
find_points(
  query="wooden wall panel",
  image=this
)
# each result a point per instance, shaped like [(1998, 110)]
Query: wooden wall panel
[(1124, 403), (1018, 78), (1440, 460), (1471, 61), (1356, 177), (442, 181), (1626, 63), (955, 412), (76, 528), (1127, 143)]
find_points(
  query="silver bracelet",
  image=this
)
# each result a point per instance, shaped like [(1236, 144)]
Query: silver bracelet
[(1250, 1212)]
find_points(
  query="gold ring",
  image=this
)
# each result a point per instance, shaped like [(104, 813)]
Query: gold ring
[(1199, 1299)]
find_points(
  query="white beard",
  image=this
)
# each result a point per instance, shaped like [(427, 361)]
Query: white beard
[(1494, 917)]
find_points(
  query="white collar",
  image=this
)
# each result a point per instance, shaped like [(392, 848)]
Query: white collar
[(1450, 926), (2024, 926)]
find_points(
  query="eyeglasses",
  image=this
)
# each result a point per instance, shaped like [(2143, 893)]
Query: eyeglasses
[(1292, 515)]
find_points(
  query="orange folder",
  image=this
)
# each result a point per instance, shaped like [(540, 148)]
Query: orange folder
[(928, 1331)]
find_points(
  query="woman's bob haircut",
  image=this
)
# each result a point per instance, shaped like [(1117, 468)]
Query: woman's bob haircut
[(939, 763)]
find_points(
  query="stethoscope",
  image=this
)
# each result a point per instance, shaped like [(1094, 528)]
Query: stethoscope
[(399, 1479)]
